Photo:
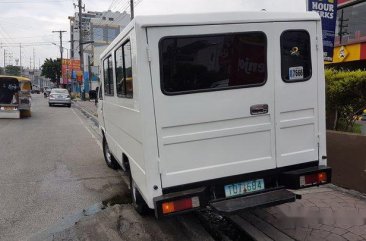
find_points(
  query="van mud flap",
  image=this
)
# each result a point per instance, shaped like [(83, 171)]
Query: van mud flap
[(265, 199)]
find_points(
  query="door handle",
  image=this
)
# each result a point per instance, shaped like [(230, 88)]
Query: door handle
[(259, 109)]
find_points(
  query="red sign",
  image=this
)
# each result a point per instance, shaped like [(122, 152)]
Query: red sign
[(340, 2), (68, 66)]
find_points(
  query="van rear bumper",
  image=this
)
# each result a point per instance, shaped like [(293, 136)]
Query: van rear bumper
[(212, 193)]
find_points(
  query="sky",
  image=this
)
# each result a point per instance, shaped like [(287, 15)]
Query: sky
[(31, 22)]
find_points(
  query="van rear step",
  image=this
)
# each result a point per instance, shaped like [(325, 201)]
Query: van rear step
[(257, 200)]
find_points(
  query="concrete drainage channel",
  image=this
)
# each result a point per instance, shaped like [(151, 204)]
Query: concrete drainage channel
[(244, 226)]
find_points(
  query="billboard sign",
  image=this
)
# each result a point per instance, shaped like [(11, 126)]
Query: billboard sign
[(327, 10), (69, 66)]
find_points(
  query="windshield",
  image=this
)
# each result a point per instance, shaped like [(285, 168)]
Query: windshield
[(25, 86), (8, 87), (59, 91)]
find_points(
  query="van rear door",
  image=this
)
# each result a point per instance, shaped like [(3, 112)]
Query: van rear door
[(213, 90), (296, 93)]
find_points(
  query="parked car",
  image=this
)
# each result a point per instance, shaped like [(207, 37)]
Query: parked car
[(59, 97), (232, 116)]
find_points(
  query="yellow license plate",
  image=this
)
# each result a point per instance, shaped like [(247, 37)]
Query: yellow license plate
[(8, 108)]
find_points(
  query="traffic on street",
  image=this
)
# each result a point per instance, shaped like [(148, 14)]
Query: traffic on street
[(175, 120)]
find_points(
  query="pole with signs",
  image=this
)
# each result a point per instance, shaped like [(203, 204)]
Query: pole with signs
[(327, 10)]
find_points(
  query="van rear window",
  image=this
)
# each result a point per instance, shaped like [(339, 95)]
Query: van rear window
[(295, 56), (192, 64)]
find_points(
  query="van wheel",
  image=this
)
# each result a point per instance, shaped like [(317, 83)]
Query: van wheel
[(138, 201), (108, 157)]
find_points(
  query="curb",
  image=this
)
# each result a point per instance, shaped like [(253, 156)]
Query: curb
[(87, 113)]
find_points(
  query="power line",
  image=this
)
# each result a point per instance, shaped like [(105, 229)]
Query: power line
[(24, 37), (32, 2)]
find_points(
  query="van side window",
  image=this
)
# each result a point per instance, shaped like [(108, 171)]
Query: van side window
[(295, 56), (108, 76), (128, 69), (191, 64), (123, 62), (120, 74)]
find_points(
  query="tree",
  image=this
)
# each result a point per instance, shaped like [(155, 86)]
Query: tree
[(52, 69), (11, 70)]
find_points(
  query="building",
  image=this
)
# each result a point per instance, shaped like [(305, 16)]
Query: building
[(350, 41), (38, 81), (99, 29)]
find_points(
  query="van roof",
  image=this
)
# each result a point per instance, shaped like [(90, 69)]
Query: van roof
[(222, 18), (195, 19), (19, 78)]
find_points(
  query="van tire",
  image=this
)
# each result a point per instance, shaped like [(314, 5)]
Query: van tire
[(108, 156), (138, 201)]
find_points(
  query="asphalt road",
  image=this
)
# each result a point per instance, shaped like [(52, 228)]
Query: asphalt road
[(50, 167), (54, 185)]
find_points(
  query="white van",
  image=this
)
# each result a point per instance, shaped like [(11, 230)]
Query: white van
[(220, 109)]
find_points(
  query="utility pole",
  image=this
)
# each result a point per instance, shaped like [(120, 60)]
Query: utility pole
[(20, 58), (81, 50), (132, 9), (90, 73), (4, 61), (34, 59), (61, 50)]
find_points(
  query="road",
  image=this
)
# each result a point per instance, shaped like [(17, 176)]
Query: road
[(51, 170), (49, 167)]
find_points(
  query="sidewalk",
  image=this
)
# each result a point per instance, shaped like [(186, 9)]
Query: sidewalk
[(88, 106), (325, 213)]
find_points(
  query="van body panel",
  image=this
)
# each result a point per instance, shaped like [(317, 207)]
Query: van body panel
[(213, 134), (296, 105), (122, 118), (322, 156), (152, 185)]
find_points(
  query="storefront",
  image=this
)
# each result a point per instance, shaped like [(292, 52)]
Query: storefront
[(350, 42)]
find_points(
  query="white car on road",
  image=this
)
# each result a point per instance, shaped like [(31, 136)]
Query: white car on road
[(59, 97)]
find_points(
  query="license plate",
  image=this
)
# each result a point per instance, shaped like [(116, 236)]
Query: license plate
[(244, 187), (8, 108)]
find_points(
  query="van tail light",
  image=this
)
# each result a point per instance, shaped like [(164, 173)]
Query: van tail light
[(180, 205), (313, 179), (306, 177)]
